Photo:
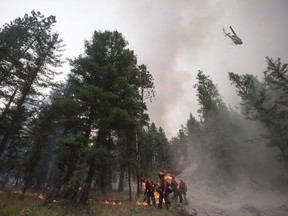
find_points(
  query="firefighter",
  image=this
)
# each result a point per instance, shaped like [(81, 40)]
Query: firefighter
[(183, 189), (149, 191), (176, 192), (163, 192)]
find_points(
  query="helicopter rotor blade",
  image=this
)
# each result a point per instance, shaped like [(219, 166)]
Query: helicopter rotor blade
[(232, 30)]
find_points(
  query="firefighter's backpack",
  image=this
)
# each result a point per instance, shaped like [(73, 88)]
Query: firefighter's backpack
[(169, 187)]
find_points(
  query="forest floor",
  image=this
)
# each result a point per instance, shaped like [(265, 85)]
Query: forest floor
[(32, 205)]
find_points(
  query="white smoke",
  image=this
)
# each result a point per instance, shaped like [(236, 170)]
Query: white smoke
[(259, 185)]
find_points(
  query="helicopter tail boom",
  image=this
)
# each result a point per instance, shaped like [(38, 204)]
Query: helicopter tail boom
[(232, 30)]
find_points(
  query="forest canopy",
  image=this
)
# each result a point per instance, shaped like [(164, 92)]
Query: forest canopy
[(93, 130)]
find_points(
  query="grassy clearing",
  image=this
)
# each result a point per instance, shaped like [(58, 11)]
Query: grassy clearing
[(11, 205)]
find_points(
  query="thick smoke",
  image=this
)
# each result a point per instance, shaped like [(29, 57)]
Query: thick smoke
[(171, 35), (258, 184), (176, 39)]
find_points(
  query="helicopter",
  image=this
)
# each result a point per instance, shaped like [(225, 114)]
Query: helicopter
[(236, 40)]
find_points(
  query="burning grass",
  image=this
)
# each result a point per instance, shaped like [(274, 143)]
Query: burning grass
[(32, 205)]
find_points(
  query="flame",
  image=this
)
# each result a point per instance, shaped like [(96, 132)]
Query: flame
[(40, 196), (142, 203), (168, 177), (111, 203), (156, 195)]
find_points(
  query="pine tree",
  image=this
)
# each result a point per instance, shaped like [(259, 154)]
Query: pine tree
[(217, 128), (108, 83), (29, 50), (266, 101)]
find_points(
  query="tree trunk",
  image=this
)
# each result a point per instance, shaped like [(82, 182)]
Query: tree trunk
[(19, 110), (8, 105), (129, 183), (24, 188), (87, 186), (121, 180), (138, 183), (103, 182)]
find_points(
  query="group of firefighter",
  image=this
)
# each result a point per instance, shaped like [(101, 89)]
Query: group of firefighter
[(164, 190)]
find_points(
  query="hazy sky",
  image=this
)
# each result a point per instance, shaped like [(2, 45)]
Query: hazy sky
[(174, 39)]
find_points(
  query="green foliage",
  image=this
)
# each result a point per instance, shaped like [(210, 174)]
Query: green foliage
[(180, 148), (267, 101), (252, 93), (276, 75), (28, 50), (89, 127), (194, 133), (73, 143), (156, 150), (146, 83), (208, 95), (121, 118), (90, 92), (214, 136), (107, 81)]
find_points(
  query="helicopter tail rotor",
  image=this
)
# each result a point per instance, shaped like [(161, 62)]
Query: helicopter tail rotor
[(225, 32)]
